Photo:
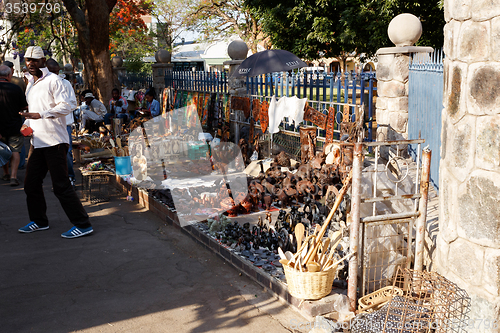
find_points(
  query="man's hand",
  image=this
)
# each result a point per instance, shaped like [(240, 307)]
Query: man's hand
[(23, 128), (30, 115)]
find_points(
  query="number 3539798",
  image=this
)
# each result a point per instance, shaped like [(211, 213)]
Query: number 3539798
[(23, 7)]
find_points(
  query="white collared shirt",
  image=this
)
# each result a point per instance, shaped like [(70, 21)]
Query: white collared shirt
[(71, 99), (49, 97)]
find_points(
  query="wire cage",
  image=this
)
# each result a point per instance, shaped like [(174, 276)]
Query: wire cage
[(385, 249), (95, 187), (430, 303), (441, 304)]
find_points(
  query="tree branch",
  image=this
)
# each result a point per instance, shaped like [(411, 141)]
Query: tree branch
[(76, 14)]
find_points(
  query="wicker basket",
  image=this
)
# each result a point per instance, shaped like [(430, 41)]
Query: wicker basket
[(309, 285), (377, 299)]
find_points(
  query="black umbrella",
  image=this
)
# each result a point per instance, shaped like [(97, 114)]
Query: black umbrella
[(269, 61)]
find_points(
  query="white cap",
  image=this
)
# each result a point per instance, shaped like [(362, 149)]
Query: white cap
[(89, 95), (34, 52)]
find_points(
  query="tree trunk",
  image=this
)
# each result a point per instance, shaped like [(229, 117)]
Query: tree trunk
[(92, 24)]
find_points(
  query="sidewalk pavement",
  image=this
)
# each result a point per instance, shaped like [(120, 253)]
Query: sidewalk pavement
[(134, 273)]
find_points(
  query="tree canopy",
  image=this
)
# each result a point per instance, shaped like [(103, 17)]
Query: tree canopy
[(89, 30), (129, 35), (322, 28), (224, 18)]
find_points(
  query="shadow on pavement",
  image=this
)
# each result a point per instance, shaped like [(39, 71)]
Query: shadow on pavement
[(133, 274)]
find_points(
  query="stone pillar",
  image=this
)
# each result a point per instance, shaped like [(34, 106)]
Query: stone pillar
[(118, 70), (70, 75), (238, 51), (468, 243), (161, 68), (392, 77)]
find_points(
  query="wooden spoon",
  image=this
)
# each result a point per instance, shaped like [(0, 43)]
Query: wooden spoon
[(343, 190), (284, 262), (313, 267), (337, 237), (326, 243), (299, 251), (282, 254), (339, 261), (299, 234)]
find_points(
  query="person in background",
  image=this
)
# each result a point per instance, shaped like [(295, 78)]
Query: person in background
[(53, 67), (48, 105), (16, 80), (117, 107), (152, 106), (12, 102), (21, 83), (95, 111)]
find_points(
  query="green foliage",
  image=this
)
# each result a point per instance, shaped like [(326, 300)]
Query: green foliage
[(132, 44), (316, 28), (129, 35), (52, 30), (136, 65)]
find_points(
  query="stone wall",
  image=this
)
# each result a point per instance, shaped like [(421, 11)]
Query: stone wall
[(159, 72), (392, 97), (468, 244)]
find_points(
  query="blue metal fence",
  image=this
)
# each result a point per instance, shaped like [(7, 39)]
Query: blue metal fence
[(425, 103), (321, 89), (201, 81), (136, 81)]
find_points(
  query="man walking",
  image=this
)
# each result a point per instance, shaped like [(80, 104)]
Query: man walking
[(12, 102), (48, 105)]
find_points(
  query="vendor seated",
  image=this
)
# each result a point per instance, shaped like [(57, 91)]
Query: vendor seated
[(94, 110), (117, 107), (152, 107)]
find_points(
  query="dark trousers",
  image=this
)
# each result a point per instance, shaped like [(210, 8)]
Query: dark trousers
[(71, 171), (54, 160)]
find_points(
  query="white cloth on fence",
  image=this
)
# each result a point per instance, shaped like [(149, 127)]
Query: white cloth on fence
[(272, 115), (276, 115), (291, 108), (295, 109)]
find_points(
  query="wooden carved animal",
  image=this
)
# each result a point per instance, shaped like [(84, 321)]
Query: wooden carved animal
[(303, 172), (283, 198), (267, 201), (283, 160)]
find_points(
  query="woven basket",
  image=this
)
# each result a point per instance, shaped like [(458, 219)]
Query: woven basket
[(309, 285), (378, 298)]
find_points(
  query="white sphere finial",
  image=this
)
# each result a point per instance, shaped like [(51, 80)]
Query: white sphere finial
[(404, 30)]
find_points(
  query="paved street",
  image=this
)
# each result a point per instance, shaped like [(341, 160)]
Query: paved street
[(134, 274)]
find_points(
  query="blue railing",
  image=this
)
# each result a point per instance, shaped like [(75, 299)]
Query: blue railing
[(136, 81), (321, 90), (200, 81), (425, 104)]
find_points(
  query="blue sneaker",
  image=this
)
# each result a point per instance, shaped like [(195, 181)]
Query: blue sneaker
[(30, 227), (77, 232)]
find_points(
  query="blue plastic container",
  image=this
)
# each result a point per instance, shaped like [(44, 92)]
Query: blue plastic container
[(123, 165)]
